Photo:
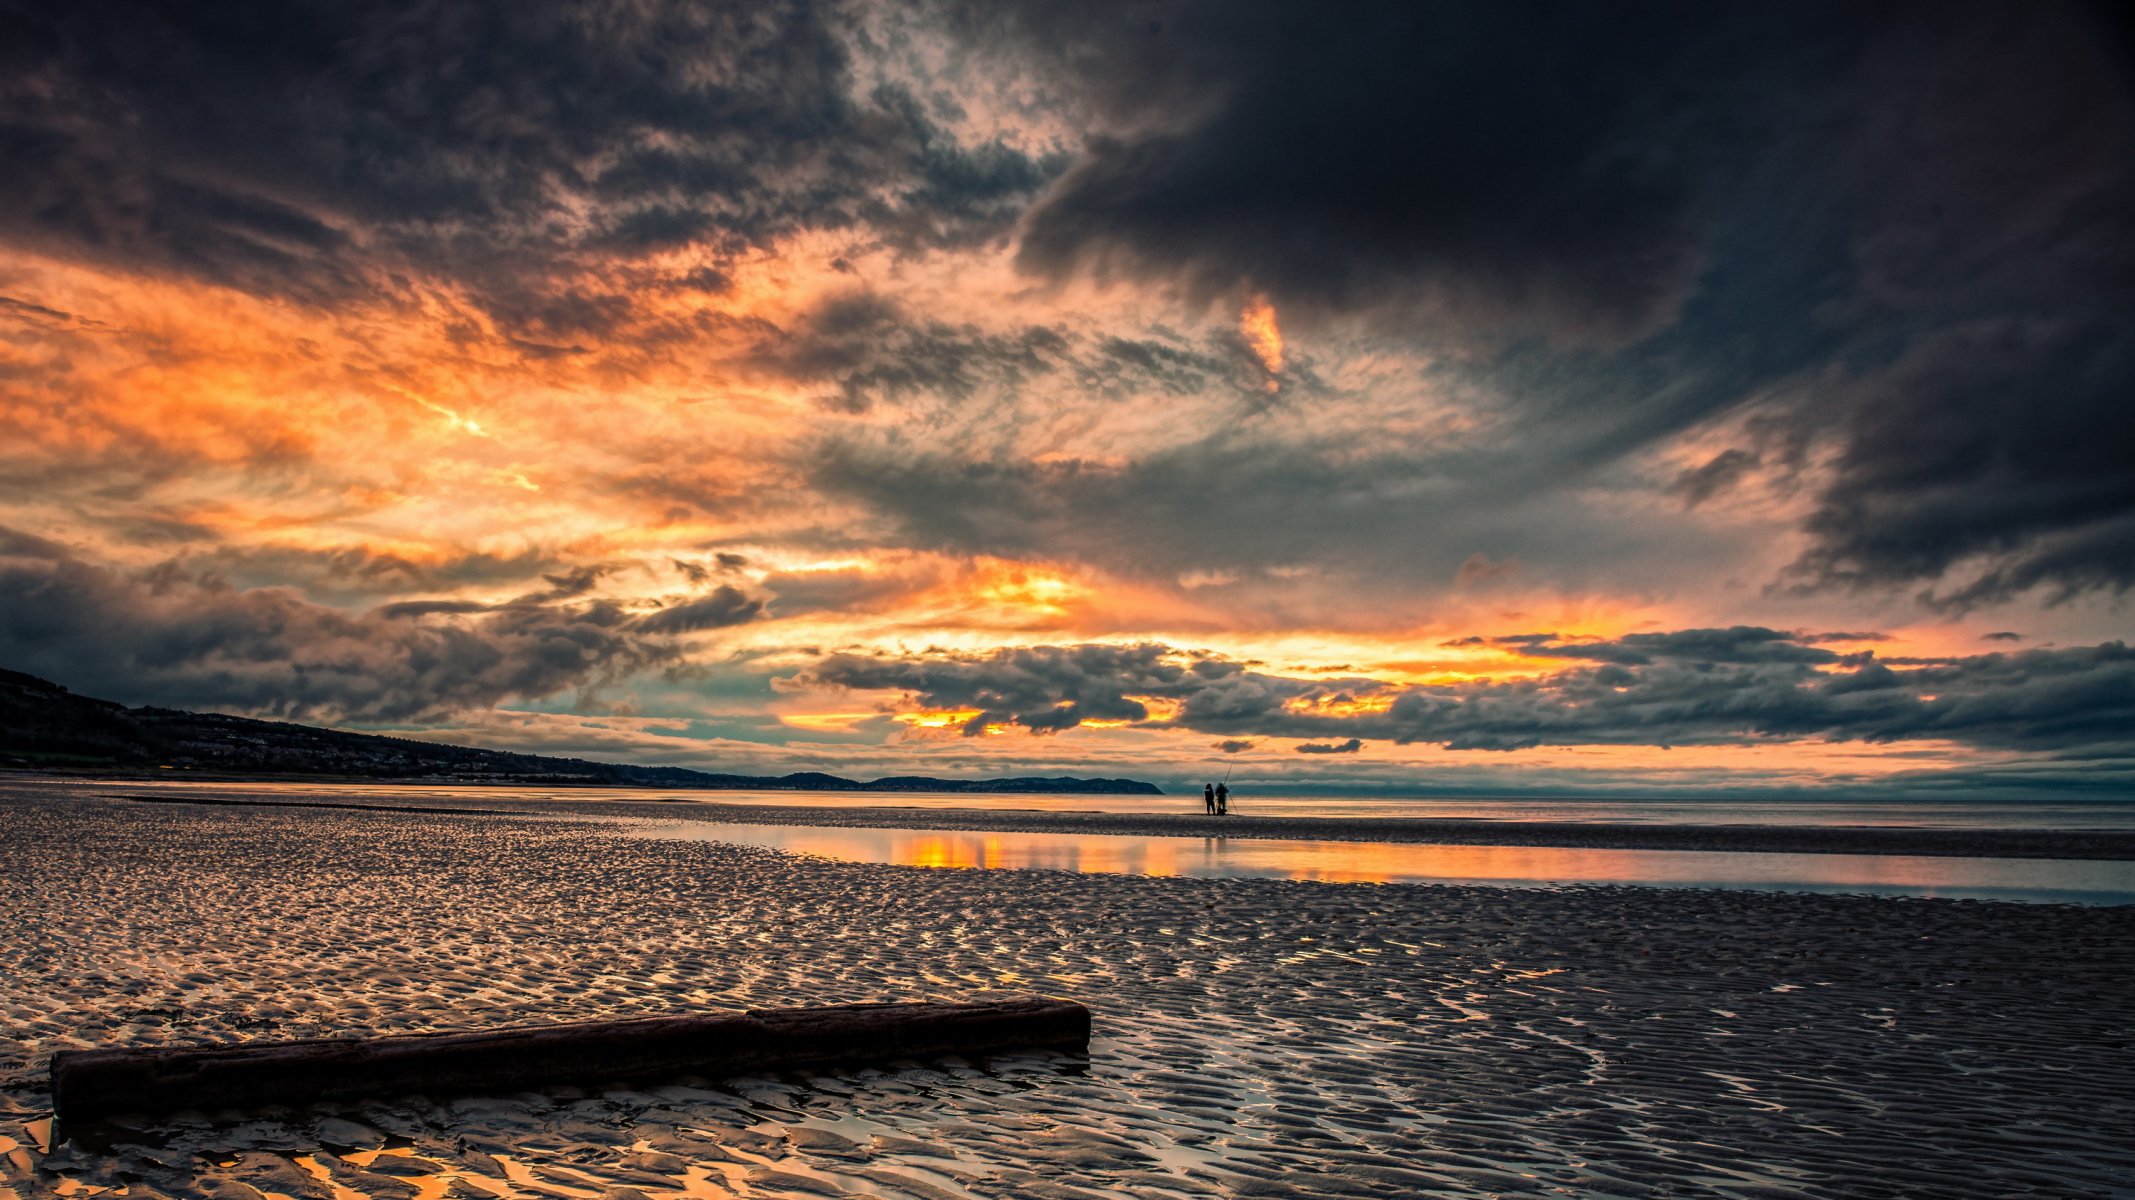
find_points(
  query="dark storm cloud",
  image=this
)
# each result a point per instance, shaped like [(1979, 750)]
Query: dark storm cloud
[(14, 543), (171, 636), (1383, 514), (1043, 688), (568, 584), (702, 572), (1907, 304), (1739, 644), (1971, 416), (1994, 459), (867, 349), (1534, 169), (315, 148), (352, 576), (1896, 240), (1688, 687), (870, 350), (722, 607), (1721, 472), (855, 589), (725, 605), (1210, 504), (1892, 243)]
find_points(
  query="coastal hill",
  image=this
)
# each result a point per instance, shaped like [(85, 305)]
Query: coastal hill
[(43, 725)]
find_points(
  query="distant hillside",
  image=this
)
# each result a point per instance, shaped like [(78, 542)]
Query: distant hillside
[(44, 725)]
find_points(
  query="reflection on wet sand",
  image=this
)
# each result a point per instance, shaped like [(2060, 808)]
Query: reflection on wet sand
[(2041, 880)]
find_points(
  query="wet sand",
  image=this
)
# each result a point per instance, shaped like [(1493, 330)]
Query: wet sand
[(1254, 1037)]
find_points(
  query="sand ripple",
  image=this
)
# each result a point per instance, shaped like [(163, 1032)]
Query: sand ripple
[(1254, 1037)]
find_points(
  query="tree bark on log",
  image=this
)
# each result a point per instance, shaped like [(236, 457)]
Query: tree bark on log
[(88, 1085)]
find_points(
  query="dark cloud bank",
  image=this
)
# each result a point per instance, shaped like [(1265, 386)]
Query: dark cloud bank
[(173, 636), (1698, 686), (865, 349), (1485, 165), (178, 638), (1893, 243), (1896, 240), (323, 149)]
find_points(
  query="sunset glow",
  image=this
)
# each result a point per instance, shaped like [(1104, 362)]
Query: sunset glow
[(1261, 332), (826, 428)]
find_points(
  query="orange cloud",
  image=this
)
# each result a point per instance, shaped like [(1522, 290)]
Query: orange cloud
[(1257, 324)]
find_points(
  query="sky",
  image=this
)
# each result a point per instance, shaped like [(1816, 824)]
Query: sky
[(1434, 398)]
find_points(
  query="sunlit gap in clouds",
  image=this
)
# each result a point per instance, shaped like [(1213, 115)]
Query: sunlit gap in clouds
[(1264, 336)]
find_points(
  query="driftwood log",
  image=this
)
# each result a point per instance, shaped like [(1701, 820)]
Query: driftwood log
[(88, 1085)]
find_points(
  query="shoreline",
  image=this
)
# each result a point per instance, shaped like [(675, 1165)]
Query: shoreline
[(1763, 839), (569, 783), (2107, 845)]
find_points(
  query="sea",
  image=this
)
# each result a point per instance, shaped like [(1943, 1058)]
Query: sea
[(2087, 815), (2028, 880)]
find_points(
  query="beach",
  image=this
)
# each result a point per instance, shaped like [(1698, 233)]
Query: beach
[(1177, 817), (1253, 1037)]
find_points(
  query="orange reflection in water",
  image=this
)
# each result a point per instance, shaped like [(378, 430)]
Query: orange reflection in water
[(1397, 862), (1116, 856)]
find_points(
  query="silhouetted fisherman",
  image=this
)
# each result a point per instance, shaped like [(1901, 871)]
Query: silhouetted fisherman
[(1223, 799), (1208, 798)]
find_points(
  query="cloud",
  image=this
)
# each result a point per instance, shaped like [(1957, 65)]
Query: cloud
[(1349, 747), (1330, 525), (1985, 462), (1961, 425), (1896, 240), (862, 350), (14, 543), (1736, 686), (1738, 644), (331, 148), (1722, 471), (1455, 164), (167, 636), (1479, 568), (1214, 504), (1589, 319), (1044, 688), (876, 587), (722, 607), (871, 351), (725, 605)]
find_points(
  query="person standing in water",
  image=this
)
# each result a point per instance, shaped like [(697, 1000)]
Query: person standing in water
[(1208, 798), (1223, 799)]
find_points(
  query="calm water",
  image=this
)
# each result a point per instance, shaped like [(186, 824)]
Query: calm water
[(2031, 880), (2100, 815)]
